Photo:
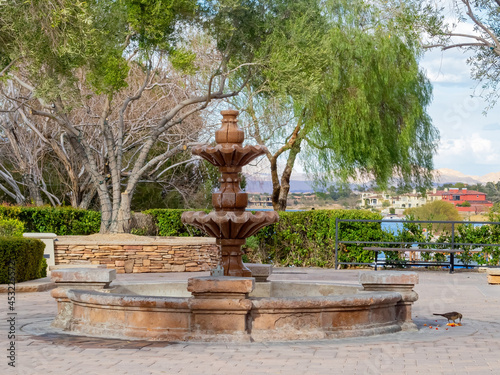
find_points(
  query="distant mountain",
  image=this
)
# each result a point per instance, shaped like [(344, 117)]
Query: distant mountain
[(445, 176), (490, 177), (263, 184), (300, 184)]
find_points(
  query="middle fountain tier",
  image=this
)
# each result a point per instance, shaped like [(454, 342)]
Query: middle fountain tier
[(230, 223)]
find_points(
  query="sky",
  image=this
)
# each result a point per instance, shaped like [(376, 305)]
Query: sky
[(470, 141)]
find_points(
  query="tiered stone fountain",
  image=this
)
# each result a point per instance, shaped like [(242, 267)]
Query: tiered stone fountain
[(232, 307), (230, 223)]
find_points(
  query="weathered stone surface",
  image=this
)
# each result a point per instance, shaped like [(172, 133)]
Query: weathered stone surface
[(493, 271), (83, 275), (134, 240), (84, 265), (260, 271), (493, 278), (388, 277), (227, 319), (211, 284), (397, 281), (129, 265), (189, 257), (73, 248), (178, 268)]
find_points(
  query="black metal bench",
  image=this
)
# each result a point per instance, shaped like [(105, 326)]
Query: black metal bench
[(451, 263)]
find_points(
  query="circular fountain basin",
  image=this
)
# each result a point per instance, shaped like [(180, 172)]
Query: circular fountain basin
[(241, 311)]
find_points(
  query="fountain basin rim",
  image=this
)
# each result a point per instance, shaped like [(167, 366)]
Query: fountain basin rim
[(126, 300)]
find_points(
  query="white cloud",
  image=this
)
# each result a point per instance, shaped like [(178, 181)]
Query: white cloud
[(446, 66), (471, 154), (452, 147)]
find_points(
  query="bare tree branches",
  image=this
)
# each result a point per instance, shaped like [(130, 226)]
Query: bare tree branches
[(483, 41)]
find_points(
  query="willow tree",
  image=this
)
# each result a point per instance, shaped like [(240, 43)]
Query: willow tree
[(344, 85), (74, 60)]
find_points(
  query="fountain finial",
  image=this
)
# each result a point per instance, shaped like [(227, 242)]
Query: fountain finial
[(229, 133)]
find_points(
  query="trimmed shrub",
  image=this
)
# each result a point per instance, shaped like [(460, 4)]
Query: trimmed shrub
[(305, 238), (25, 255), (59, 220), (308, 238), (485, 234), (169, 223), (11, 227)]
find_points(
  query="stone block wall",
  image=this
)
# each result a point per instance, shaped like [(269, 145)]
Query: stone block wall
[(137, 254)]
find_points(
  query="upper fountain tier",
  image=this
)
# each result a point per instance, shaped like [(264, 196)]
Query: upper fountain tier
[(229, 152), (229, 155)]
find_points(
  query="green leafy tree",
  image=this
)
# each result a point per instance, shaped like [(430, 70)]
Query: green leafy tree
[(343, 85), (74, 62), (437, 210), (494, 213)]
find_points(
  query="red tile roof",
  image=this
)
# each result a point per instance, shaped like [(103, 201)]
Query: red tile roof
[(462, 192)]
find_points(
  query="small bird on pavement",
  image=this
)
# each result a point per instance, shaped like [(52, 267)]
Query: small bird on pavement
[(452, 316)]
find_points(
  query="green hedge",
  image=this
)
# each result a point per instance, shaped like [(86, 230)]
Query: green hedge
[(11, 227), (26, 255), (169, 223), (59, 220), (307, 238)]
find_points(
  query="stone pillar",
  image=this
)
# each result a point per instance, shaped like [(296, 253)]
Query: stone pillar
[(220, 305), (76, 278), (394, 281), (48, 240), (493, 275)]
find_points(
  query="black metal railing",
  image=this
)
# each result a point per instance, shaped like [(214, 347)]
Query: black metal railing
[(452, 245)]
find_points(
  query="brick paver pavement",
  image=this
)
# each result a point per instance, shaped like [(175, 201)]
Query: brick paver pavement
[(473, 348)]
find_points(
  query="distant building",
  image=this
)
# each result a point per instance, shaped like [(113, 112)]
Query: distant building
[(436, 195), (477, 200), (258, 200), (459, 198), (374, 200), (408, 200)]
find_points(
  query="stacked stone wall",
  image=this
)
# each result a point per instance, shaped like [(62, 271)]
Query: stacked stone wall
[(152, 254)]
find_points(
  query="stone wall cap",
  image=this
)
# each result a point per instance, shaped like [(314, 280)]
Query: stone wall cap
[(493, 271), (39, 235), (221, 284), (83, 275), (389, 277), (130, 239)]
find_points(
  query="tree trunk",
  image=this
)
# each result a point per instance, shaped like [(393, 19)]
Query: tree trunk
[(280, 192), (34, 190), (124, 214), (87, 198)]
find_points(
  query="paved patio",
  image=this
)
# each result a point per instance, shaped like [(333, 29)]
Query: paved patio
[(473, 348)]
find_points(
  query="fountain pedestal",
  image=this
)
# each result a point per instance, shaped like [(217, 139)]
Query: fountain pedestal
[(220, 304), (230, 223)]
